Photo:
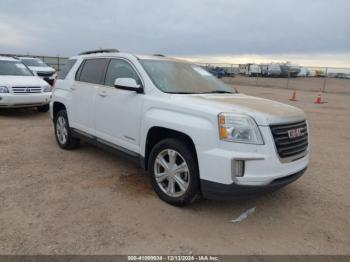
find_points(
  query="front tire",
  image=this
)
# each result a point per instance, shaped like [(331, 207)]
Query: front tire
[(174, 172), (63, 133)]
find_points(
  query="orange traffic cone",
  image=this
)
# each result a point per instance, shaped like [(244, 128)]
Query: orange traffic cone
[(294, 96), (319, 99)]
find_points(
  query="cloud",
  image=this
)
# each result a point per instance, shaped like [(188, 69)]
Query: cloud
[(183, 28), (14, 34)]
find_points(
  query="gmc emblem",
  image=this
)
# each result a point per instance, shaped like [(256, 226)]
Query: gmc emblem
[(295, 133)]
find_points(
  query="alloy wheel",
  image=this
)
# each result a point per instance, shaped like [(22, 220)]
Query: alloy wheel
[(171, 173), (61, 130)]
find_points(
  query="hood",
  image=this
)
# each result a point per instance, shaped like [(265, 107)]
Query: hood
[(42, 69), (264, 111), (26, 81)]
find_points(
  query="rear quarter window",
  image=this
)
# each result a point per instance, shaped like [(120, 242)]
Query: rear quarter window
[(66, 69), (92, 71)]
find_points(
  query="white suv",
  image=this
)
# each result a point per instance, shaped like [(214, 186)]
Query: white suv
[(19, 87), (194, 134), (44, 71)]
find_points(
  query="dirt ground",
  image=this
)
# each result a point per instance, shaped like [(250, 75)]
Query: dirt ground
[(88, 201)]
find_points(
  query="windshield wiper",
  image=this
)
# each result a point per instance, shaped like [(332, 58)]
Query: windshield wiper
[(218, 92)]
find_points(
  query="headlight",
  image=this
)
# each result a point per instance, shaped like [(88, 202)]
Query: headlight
[(239, 128), (47, 89), (4, 89)]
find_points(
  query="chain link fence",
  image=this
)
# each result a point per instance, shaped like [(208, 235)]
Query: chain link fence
[(314, 79), (56, 62)]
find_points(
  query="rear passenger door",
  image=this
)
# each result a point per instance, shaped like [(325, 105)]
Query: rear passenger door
[(89, 77), (118, 112)]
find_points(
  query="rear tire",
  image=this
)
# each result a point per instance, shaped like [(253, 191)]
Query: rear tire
[(43, 109), (174, 172), (63, 132)]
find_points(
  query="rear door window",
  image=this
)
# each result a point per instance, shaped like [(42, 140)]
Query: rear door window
[(93, 71), (67, 67)]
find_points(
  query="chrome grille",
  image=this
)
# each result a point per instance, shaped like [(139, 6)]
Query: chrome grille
[(290, 139), (26, 90)]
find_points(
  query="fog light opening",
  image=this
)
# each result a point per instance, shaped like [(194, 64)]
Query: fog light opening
[(238, 167)]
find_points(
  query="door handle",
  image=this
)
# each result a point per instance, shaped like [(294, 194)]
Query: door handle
[(102, 94), (72, 88)]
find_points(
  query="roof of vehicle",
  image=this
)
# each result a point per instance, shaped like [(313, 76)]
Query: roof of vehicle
[(112, 52), (159, 57), (126, 55), (8, 58)]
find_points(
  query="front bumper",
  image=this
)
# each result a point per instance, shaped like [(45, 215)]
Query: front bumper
[(264, 171), (9, 100), (49, 80), (217, 191)]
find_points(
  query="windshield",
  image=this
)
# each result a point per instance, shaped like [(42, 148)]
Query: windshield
[(14, 68), (34, 62), (183, 78)]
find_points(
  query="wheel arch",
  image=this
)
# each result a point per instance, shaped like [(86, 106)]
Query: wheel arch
[(158, 133), (57, 107)]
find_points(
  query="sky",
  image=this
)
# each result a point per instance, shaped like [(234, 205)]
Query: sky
[(309, 32)]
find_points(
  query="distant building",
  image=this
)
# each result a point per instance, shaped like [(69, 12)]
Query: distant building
[(249, 69)]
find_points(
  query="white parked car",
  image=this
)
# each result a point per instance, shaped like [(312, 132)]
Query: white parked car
[(19, 87), (44, 71), (194, 134)]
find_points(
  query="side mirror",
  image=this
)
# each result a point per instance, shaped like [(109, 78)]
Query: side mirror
[(128, 84)]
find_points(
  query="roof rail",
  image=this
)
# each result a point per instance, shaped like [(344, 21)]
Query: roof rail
[(100, 51), (159, 55)]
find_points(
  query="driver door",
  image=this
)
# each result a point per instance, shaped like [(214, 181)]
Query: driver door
[(118, 112)]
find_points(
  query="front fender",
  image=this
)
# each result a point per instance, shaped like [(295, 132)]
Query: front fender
[(201, 130), (62, 96)]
